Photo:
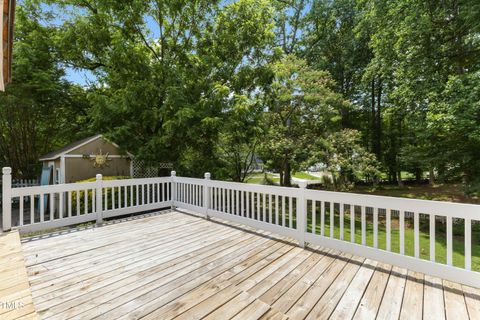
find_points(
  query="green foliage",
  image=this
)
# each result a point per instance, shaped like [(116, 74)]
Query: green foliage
[(301, 106), (345, 159), (210, 85), (40, 110)]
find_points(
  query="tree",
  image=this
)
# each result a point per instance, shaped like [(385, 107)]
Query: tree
[(240, 136), (159, 64), (345, 159), (300, 107), (39, 111)]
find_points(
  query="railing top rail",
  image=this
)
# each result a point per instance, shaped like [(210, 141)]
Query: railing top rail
[(397, 203), (444, 208), (128, 182), (55, 188)]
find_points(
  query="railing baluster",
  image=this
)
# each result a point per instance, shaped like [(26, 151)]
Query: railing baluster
[(416, 234), (242, 203), (32, 209), (78, 202), (130, 203), (42, 207), (389, 230), (402, 231), (113, 198), (283, 211), (105, 198), (314, 216), (259, 213), (290, 212), (61, 206), (264, 206), (85, 198), (375, 227), (223, 199), (247, 204), (119, 195), (20, 222), (93, 201), (342, 209), (125, 204), (322, 217), (52, 206), (332, 218), (168, 186), (449, 241), (352, 223), (468, 244), (276, 210), (228, 202), (252, 203), (432, 237), (69, 203), (364, 225), (270, 208)]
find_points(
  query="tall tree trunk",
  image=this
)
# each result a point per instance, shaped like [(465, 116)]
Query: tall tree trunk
[(431, 176), (399, 178), (287, 174), (373, 117), (418, 175), (378, 122)]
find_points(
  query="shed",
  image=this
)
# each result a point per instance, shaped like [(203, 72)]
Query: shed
[(86, 158)]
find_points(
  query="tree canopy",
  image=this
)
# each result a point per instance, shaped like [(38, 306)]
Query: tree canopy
[(368, 89)]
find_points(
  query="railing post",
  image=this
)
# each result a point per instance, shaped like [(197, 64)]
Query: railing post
[(173, 174), (7, 198), (206, 195), (301, 214), (99, 199)]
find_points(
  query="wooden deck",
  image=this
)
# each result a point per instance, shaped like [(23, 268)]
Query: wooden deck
[(175, 265), (15, 298)]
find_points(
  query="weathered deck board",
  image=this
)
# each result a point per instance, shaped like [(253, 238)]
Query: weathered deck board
[(15, 297), (178, 266)]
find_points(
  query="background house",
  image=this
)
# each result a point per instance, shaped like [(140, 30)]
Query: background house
[(84, 159)]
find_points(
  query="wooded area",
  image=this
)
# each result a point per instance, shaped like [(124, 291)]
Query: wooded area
[(366, 88)]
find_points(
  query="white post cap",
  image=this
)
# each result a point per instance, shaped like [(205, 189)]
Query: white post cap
[(173, 173), (207, 175), (7, 170), (302, 184)]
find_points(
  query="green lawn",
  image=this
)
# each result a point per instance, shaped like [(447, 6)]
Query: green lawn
[(306, 176), (458, 244), (258, 178), (440, 237), (443, 192)]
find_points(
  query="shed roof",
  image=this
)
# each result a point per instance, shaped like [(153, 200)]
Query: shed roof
[(72, 146)]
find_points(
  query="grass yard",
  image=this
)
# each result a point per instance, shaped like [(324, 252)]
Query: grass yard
[(458, 243), (306, 176), (259, 178), (441, 192)]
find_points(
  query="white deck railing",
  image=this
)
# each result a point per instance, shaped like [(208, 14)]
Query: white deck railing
[(310, 216), (53, 206)]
